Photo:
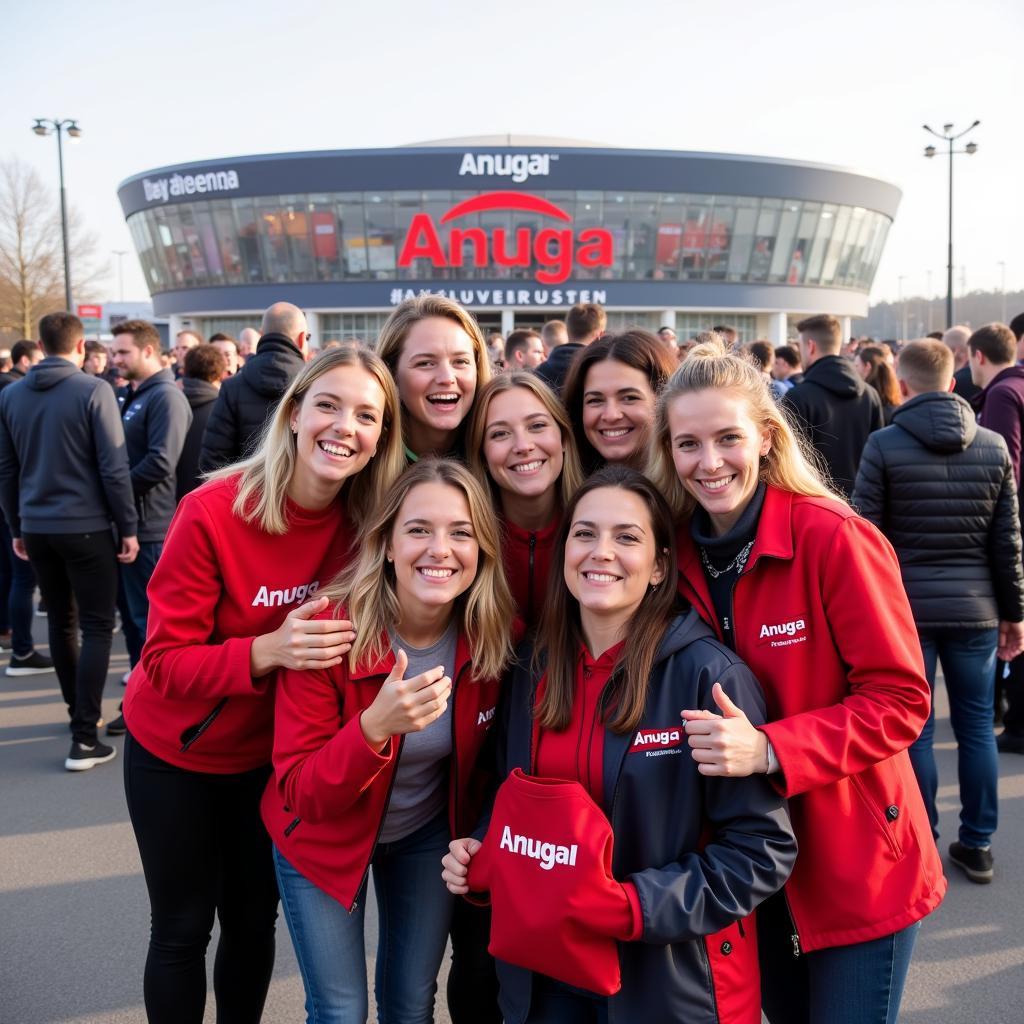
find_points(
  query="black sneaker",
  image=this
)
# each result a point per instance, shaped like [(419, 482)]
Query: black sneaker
[(31, 665), (117, 727), (82, 758), (975, 862), (1010, 743)]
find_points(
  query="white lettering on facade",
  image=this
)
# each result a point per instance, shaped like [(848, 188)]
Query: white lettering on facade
[(519, 167), (162, 189), (501, 296)]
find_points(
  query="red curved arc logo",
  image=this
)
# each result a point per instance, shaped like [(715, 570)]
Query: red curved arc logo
[(505, 201)]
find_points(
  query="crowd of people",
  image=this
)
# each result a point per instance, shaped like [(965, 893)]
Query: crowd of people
[(610, 655)]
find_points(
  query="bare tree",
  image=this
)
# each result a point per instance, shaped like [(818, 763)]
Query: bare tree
[(31, 256)]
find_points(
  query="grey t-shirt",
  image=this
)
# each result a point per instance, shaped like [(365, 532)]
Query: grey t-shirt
[(420, 792)]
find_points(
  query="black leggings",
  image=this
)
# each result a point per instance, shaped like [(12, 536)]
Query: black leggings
[(204, 850), (472, 980)]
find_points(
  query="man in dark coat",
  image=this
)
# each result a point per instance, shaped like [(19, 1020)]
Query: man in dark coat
[(205, 367), (585, 323), (1000, 407), (832, 406), (247, 400), (942, 490)]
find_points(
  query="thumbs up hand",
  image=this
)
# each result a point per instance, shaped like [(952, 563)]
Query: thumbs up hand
[(725, 744)]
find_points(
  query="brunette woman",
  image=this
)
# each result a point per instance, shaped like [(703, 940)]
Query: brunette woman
[(589, 718), (438, 357), (810, 596), (872, 366), (610, 395), (234, 598), (520, 447), (375, 758)]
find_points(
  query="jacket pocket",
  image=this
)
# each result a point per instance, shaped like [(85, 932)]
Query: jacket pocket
[(882, 813), (193, 732)]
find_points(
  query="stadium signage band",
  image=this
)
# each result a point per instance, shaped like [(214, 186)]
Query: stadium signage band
[(558, 250), (163, 189), (507, 296), (517, 166)]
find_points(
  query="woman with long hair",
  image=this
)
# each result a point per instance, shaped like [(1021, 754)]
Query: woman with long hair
[(810, 596), (438, 357), (233, 599), (871, 364), (375, 758), (519, 445), (610, 395), (587, 728)]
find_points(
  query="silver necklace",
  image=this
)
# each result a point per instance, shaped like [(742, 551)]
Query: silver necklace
[(737, 563)]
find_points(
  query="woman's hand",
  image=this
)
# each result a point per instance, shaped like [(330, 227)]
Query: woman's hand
[(725, 744), (405, 705), (302, 641), (456, 864)]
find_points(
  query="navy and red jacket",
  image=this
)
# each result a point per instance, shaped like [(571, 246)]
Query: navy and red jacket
[(701, 851), (527, 558), (820, 615), (325, 804)]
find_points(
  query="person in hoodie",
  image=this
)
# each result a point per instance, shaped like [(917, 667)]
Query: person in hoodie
[(1000, 407), (247, 401), (377, 760), (520, 447), (232, 600), (941, 489), (810, 596), (832, 406), (205, 367), (585, 323), (64, 482), (596, 701)]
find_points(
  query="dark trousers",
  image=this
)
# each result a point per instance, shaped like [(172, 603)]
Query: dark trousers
[(77, 575), (1013, 687), (472, 980), (204, 851), (134, 581), (555, 1003), (17, 585)]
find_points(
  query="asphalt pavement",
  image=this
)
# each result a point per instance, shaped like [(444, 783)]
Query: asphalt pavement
[(74, 914)]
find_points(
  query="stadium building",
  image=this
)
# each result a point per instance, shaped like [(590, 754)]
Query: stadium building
[(516, 228)]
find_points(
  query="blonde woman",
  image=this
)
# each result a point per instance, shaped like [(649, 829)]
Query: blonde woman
[(234, 598), (375, 758), (809, 596), (519, 445), (438, 357)]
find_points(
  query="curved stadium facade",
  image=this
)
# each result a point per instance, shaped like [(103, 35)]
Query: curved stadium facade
[(515, 228)]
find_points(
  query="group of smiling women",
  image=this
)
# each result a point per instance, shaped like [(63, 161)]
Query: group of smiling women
[(428, 582)]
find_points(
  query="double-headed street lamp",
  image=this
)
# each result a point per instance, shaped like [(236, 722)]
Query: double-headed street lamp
[(45, 126), (971, 148)]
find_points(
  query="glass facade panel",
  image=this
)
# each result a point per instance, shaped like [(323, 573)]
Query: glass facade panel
[(363, 327), (353, 236), (690, 324)]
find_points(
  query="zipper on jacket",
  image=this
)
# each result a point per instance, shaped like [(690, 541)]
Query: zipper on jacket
[(380, 825), (291, 827), (529, 579), (193, 732), (702, 948), (794, 937)]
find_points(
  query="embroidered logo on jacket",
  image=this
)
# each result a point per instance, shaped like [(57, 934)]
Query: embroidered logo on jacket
[(549, 854), (266, 598), (789, 630), (657, 741), (485, 716)]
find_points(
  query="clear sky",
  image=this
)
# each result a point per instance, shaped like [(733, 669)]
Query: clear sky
[(156, 83)]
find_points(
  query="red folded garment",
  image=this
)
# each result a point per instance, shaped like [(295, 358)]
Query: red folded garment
[(547, 862)]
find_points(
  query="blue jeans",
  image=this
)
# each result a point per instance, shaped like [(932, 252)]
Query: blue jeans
[(857, 984), (968, 658), (414, 910), (17, 585), (135, 580)]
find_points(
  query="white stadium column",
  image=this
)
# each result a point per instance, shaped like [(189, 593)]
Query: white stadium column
[(313, 324), (777, 328), (508, 322), (668, 319), (846, 326)]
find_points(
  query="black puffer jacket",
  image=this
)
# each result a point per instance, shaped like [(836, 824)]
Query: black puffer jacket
[(941, 489), (835, 410), (247, 400)]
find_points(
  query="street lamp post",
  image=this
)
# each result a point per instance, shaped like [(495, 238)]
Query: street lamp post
[(44, 126), (929, 151)]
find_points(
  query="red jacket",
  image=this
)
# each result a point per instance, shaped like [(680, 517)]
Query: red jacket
[(326, 803), (527, 558), (821, 618), (220, 582)]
